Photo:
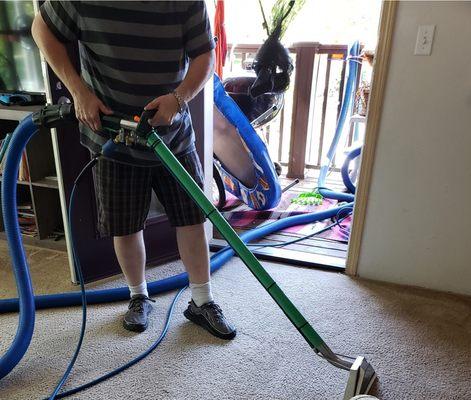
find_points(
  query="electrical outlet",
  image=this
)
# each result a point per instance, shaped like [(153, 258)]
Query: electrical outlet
[(423, 46)]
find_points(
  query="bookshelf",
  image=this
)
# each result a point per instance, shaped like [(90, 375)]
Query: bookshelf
[(39, 209)]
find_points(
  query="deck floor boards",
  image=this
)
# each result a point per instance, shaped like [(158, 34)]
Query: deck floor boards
[(312, 245)]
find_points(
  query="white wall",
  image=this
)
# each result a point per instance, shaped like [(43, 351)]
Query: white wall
[(418, 222)]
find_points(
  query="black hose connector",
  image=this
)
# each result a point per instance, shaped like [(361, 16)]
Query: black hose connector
[(143, 128), (53, 116)]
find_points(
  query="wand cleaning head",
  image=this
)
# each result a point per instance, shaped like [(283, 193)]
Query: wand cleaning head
[(361, 378)]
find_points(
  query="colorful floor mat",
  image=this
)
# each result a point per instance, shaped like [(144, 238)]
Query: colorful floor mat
[(242, 217)]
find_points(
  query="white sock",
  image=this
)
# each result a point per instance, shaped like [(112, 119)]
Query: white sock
[(201, 293), (140, 289)]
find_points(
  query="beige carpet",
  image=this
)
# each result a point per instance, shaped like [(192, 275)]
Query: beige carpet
[(419, 341)]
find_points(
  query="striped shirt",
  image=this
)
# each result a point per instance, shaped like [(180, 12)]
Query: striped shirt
[(132, 52)]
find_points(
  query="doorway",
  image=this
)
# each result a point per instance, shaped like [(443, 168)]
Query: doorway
[(300, 137)]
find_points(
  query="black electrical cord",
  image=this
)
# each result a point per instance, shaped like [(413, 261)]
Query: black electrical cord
[(326, 228)]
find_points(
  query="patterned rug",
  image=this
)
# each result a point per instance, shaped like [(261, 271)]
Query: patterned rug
[(242, 217)]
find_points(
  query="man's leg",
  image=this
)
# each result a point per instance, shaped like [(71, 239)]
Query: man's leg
[(188, 219), (202, 309), (194, 253), (123, 196), (131, 254)]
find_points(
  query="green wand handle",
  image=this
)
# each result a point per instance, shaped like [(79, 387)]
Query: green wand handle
[(187, 182)]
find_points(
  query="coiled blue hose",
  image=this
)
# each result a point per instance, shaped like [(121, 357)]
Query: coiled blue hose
[(345, 172), (24, 333)]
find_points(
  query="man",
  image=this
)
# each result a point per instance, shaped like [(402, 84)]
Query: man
[(134, 55)]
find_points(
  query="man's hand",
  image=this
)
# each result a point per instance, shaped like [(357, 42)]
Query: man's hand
[(88, 108), (167, 108), (200, 70), (87, 105)]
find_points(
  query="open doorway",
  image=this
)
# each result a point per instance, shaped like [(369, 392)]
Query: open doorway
[(314, 114)]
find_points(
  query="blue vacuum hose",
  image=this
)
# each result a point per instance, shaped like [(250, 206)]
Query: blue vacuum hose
[(173, 282), (25, 329), (345, 172)]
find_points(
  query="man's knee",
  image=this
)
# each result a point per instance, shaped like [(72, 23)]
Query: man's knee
[(191, 229), (131, 238)]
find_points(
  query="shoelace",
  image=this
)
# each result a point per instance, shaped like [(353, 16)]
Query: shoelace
[(215, 309), (137, 304)]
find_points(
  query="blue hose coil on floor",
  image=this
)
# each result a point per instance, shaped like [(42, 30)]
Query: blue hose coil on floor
[(353, 63), (173, 282), (345, 172), (24, 333)]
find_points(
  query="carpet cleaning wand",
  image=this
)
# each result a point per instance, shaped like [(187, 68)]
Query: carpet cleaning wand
[(362, 374)]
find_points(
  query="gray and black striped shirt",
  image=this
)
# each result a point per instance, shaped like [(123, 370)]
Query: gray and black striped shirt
[(132, 52)]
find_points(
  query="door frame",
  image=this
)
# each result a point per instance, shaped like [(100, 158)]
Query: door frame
[(378, 85)]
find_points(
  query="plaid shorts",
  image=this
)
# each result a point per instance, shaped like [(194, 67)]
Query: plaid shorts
[(123, 194)]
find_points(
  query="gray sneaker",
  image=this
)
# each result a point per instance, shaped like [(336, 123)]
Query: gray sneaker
[(136, 318), (211, 318)]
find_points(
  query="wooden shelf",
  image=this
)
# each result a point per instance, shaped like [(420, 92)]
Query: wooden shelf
[(17, 113), (26, 213), (47, 183), (26, 183)]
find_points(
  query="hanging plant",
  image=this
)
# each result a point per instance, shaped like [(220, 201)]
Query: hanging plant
[(282, 14), (273, 64)]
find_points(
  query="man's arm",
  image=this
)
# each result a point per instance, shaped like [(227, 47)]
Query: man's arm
[(200, 70), (87, 105)]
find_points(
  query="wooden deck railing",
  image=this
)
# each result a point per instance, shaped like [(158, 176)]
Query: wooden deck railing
[(299, 138)]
